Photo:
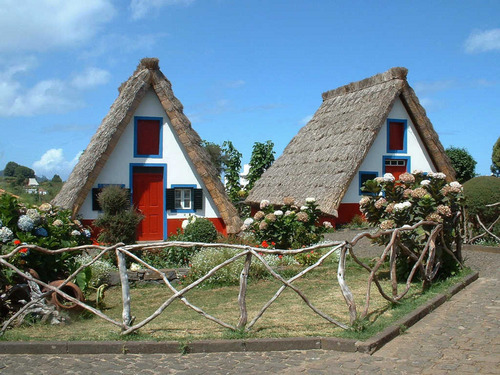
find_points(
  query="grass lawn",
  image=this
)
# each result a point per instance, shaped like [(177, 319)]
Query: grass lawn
[(288, 316)]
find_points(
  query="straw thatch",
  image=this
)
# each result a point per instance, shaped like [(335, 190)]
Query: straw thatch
[(322, 159), (146, 76)]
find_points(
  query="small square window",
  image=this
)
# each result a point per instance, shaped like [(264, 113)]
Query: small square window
[(363, 177)]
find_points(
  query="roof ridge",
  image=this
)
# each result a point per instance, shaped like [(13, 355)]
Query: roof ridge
[(399, 73)]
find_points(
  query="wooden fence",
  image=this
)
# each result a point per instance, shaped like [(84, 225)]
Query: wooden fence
[(425, 263)]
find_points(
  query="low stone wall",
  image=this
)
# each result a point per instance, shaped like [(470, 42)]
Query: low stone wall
[(148, 276)]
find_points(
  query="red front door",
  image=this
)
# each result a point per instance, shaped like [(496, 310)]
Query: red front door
[(395, 166), (148, 198)]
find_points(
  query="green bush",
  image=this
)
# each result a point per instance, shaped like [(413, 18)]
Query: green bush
[(200, 230), (479, 192), (119, 219), (207, 259)]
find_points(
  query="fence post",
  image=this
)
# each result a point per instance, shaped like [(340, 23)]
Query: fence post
[(243, 291), (122, 267)]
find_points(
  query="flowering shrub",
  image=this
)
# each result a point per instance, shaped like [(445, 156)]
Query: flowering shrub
[(45, 226), (99, 270), (289, 226), (413, 198)]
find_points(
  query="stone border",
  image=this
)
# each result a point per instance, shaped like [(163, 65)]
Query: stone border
[(250, 345)]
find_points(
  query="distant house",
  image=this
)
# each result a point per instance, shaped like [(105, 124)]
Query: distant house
[(146, 144), (33, 186), (361, 131)]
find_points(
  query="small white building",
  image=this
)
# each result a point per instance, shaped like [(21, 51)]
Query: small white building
[(147, 145), (362, 130)]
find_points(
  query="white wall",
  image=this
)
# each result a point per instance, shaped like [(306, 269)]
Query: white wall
[(179, 169), (374, 163)]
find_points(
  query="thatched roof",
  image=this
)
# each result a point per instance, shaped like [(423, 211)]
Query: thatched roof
[(322, 159), (146, 76)]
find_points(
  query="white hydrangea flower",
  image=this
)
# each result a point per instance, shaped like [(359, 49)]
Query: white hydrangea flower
[(75, 233), (278, 213), (184, 224), (425, 182), (264, 203), (379, 180), (438, 175), (389, 177), (303, 208), (456, 184), (402, 206), (248, 221), (417, 171), (310, 200)]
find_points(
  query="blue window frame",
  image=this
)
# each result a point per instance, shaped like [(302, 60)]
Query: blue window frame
[(147, 137), (397, 139), (363, 177)]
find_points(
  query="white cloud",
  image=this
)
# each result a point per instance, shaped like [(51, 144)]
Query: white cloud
[(41, 25), (91, 78), (140, 8), (483, 41), (47, 96), (54, 162)]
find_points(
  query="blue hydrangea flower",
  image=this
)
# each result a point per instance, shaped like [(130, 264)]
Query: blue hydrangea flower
[(25, 223), (41, 232), (87, 233), (6, 234)]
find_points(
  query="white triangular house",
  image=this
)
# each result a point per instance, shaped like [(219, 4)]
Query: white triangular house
[(146, 144), (362, 130)]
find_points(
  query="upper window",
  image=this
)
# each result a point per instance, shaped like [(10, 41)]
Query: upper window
[(148, 131), (396, 136)]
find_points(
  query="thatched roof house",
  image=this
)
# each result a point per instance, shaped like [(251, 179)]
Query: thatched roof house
[(145, 132), (348, 139)]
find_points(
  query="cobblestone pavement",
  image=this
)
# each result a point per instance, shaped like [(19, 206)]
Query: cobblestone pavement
[(460, 337)]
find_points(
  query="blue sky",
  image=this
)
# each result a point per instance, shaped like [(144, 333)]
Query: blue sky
[(245, 71)]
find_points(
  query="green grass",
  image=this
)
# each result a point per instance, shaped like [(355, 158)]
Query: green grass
[(288, 316)]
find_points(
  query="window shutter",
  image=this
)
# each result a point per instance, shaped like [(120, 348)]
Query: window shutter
[(95, 202), (170, 199), (198, 199)]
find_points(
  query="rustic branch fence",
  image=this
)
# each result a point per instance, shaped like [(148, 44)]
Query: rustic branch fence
[(425, 263), (487, 231)]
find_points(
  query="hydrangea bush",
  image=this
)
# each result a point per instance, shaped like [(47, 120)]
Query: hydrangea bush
[(289, 226), (415, 197), (45, 226)]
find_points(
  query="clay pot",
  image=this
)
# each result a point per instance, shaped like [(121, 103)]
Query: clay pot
[(70, 289)]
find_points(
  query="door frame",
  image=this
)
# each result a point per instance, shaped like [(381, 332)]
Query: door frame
[(131, 184)]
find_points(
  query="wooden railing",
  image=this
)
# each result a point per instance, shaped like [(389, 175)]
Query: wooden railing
[(425, 263)]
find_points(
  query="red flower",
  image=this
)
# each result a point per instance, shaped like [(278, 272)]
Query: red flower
[(24, 250), (280, 256), (17, 242), (273, 243), (265, 244)]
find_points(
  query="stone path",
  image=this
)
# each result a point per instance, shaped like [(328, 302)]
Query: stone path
[(460, 337)]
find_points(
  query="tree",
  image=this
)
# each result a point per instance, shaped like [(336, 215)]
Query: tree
[(261, 159), (56, 178), (495, 158), (10, 169), (463, 163), (217, 155), (232, 171)]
